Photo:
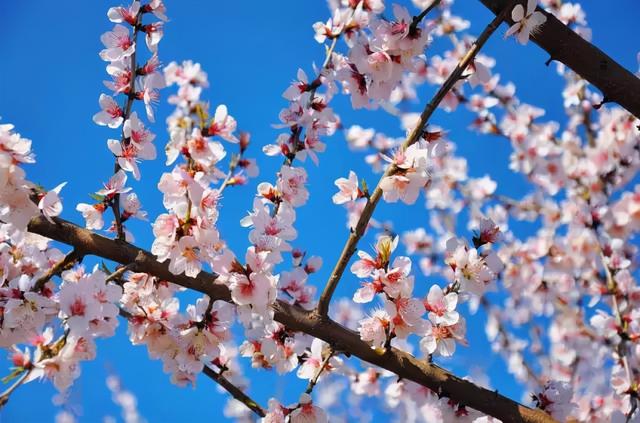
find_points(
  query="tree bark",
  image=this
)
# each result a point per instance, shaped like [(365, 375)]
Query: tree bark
[(615, 82)]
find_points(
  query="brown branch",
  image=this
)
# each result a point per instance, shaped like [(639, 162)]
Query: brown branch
[(564, 45), (234, 391), (372, 201), (4, 397), (417, 19), (66, 262), (295, 318), (314, 380), (218, 378)]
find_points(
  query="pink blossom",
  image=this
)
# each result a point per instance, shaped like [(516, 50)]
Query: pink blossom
[(349, 190), (223, 124), (118, 44), (441, 307), (110, 115), (525, 23), (50, 204)]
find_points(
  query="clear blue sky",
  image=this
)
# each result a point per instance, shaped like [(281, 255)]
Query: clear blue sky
[(50, 80)]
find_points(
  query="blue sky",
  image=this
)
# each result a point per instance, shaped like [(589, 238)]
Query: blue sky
[(50, 80)]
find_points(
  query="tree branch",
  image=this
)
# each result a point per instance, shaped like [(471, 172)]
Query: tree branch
[(234, 391), (218, 378), (295, 318), (564, 45), (66, 262), (314, 380), (372, 201)]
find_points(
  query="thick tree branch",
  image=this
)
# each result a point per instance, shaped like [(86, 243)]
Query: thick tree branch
[(295, 318), (352, 242), (564, 45)]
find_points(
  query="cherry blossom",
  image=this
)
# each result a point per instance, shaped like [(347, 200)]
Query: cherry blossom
[(349, 190), (526, 22), (560, 255), (118, 44), (441, 307), (50, 204), (111, 114)]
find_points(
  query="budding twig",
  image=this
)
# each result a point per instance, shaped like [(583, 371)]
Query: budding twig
[(314, 380), (220, 379), (66, 262), (351, 245), (4, 397), (115, 204)]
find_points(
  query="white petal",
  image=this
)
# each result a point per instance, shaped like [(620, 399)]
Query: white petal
[(517, 13)]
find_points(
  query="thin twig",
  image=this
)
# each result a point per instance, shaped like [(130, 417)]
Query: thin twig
[(131, 95), (116, 275), (357, 233), (66, 262), (314, 380), (506, 343), (417, 19), (234, 391), (4, 397)]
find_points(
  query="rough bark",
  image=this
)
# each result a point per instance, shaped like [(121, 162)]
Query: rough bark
[(615, 82)]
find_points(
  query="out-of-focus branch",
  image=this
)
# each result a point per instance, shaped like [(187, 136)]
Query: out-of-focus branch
[(612, 286), (372, 201), (295, 318), (502, 330), (4, 397), (564, 45)]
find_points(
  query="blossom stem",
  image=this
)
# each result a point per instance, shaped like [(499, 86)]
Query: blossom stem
[(363, 222), (4, 397), (288, 161), (234, 391)]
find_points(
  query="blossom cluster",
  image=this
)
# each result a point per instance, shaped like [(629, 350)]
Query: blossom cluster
[(187, 236), (570, 283), (130, 82)]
